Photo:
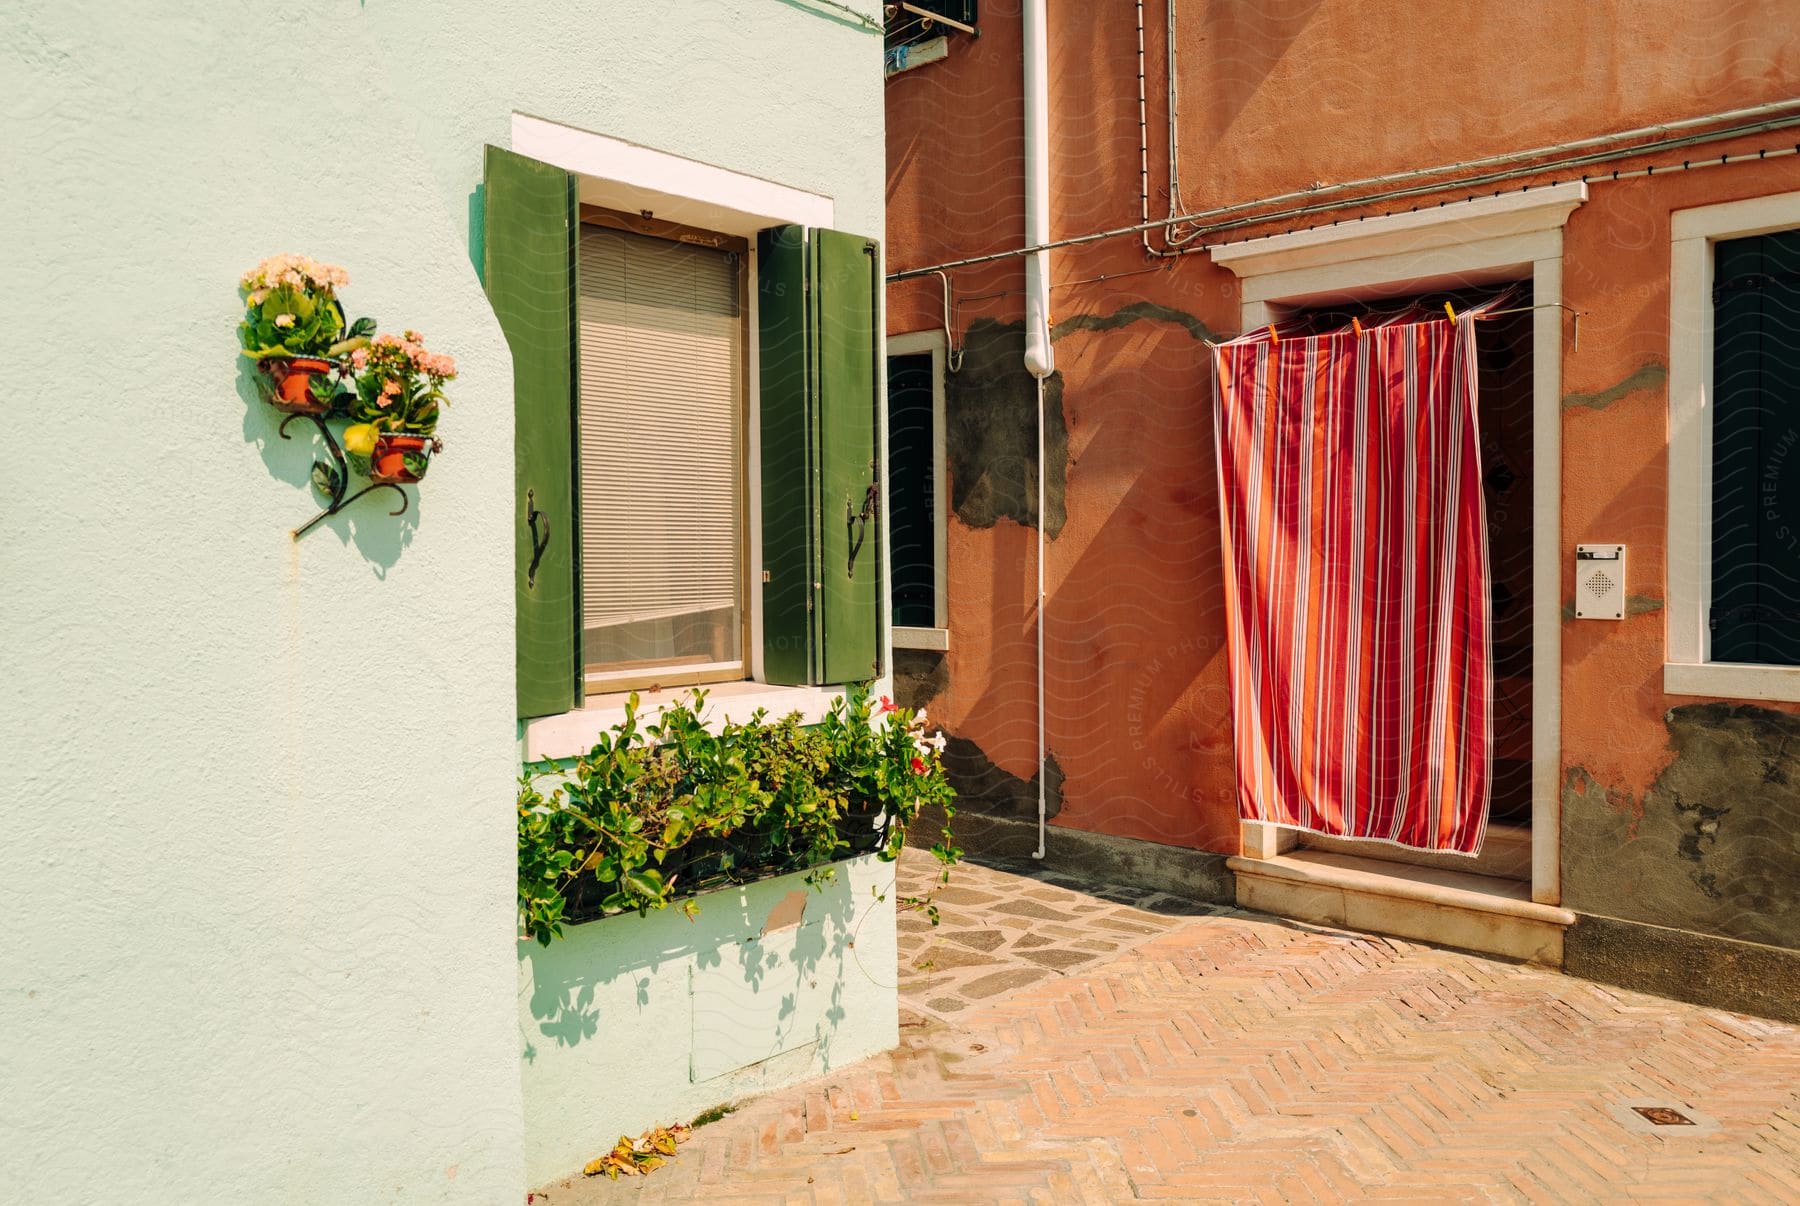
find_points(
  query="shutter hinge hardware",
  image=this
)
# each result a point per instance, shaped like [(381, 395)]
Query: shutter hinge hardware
[(765, 577)]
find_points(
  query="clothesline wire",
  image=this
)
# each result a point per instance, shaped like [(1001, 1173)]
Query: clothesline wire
[(1476, 314)]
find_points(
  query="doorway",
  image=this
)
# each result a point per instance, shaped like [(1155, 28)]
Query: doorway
[(1475, 244), (1504, 404)]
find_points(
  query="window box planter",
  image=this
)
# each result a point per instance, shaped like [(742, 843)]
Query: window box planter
[(713, 864), (631, 1022), (707, 911), (654, 815)]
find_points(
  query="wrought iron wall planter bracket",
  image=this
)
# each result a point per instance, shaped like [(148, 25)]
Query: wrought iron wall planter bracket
[(333, 478)]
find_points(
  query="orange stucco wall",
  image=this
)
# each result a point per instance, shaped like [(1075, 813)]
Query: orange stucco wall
[(1275, 97)]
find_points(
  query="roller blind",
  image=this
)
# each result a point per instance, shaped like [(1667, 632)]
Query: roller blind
[(661, 383)]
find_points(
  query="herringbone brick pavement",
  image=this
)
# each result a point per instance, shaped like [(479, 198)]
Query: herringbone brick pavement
[(1237, 1058)]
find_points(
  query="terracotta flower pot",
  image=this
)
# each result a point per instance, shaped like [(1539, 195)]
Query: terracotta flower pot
[(292, 379), (393, 451)]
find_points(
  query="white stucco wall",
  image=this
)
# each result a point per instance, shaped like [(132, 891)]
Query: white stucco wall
[(256, 825)]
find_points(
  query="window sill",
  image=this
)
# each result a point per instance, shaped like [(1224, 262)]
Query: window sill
[(921, 638), (573, 733), (1726, 680)]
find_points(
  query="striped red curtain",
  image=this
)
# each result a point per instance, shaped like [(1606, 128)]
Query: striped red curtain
[(1356, 580)]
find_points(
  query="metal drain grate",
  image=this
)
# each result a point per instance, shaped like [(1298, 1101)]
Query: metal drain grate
[(1663, 1115), (1656, 1116)]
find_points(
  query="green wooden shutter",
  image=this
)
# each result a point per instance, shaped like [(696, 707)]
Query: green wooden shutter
[(789, 489), (817, 305), (529, 232), (1755, 615), (850, 567)]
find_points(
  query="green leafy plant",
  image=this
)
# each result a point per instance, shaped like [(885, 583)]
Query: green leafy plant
[(400, 385), (660, 812), (399, 392), (291, 310)]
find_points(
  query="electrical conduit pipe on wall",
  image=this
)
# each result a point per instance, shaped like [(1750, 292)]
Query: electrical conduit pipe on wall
[(1040, 359)]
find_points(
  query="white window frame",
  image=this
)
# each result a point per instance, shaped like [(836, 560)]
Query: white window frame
[(1687, 666), (1493, 239), (620, 175), (938, 635)]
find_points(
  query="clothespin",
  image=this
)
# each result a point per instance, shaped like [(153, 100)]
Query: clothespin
[(1356, 325), (1273, 337), (1450, 312)]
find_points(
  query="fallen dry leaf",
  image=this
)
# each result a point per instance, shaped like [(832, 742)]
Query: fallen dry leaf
[(641, 1156)]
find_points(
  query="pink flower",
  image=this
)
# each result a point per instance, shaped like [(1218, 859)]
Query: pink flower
[(918, 765), (284, 320), (888, 705), (359, 358)]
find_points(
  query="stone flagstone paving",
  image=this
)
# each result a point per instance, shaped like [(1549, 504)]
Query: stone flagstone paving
[(1062, 1044), (1000, 931)]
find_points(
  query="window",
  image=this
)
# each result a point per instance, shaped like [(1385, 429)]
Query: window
[(915, 488), (660, 462), (694, 428), (1734, 450)]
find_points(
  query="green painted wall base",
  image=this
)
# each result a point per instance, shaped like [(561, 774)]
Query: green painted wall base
[(1746, 977), (632, 1022)]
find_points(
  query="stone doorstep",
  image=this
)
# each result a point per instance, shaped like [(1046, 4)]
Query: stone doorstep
[(1470, 912), (1505, 852)]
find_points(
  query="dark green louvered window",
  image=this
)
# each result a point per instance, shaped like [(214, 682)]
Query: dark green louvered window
[(1755, 614), (912, 485), (821, 575)]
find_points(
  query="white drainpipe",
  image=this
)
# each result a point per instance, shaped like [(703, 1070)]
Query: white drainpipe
[(1040, 360)]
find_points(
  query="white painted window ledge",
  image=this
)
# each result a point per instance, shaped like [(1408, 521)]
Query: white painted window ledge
[(921, 638), (1729, 680), (571, 734)]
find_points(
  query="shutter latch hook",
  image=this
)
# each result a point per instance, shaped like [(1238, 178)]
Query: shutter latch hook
[(852, 519), (538, 544)]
